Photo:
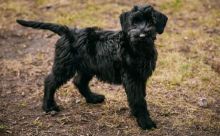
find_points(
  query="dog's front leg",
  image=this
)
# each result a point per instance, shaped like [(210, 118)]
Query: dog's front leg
[(135, 90)]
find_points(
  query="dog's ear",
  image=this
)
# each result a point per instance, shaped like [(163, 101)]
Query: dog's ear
[(160, 21), (148, 9), (124, 21), (134, 9)]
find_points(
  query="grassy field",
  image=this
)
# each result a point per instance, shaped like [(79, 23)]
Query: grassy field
[(188, 71)]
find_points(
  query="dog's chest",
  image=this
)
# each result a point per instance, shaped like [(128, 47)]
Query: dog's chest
[(108, 64), (141, 66)]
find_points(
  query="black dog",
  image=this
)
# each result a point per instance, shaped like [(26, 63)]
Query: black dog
[(126, 57)]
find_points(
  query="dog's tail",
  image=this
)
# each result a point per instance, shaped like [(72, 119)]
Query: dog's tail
[(58, 29)]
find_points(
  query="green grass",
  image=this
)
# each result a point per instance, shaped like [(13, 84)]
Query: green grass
[(174, 5), (173, 69), (92, 14), (37, 122), (3, 127)]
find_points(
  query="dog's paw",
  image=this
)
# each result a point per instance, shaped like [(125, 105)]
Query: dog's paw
[(95, 98), (146, 123), (52, 108)]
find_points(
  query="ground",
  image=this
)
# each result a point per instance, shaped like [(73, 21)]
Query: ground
[(186, 77)]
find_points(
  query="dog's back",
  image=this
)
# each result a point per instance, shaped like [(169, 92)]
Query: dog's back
[(99, 53)]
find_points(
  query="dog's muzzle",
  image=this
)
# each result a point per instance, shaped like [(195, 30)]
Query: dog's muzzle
[(142, 35)]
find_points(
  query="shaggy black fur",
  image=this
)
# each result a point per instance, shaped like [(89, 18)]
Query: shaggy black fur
[(126, 57)]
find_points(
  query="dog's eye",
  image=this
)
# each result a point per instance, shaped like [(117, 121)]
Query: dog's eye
[(136, 20)]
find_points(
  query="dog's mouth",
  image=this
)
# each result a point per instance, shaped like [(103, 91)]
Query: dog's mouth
[(137, 36), (145, 36)]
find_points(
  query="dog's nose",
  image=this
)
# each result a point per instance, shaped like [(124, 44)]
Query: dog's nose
[(142, 35)]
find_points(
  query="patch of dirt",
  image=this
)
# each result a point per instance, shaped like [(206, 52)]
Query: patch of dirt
[(214, 63)]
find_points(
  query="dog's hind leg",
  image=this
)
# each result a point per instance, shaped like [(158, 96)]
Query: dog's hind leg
[(51, 84), (81, 81), (63, 70)]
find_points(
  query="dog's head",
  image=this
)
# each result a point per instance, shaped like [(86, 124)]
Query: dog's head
[(143, 22)]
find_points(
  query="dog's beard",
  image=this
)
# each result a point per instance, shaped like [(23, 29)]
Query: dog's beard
[(137, 40), (136, 36), (142, 46)]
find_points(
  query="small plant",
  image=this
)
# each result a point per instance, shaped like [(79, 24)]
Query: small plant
[(2, 127), (37, 122)]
